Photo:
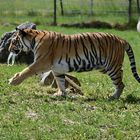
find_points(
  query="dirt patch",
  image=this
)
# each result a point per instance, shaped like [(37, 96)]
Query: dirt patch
[(96, 24)]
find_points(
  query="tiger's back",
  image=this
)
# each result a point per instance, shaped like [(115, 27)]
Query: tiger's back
[(87, 51)]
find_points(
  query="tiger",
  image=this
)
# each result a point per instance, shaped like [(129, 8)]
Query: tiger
[(80, 52)]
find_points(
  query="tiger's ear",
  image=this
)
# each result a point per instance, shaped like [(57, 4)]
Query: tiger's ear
[(21, 31)]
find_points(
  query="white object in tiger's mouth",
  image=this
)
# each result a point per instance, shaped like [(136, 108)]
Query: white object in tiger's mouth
[(11, 57)]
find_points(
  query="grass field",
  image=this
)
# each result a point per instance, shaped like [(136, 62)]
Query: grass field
[(30, 112), (41, 12)]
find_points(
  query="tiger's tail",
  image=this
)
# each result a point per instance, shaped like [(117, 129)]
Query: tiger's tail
[(130, 54)]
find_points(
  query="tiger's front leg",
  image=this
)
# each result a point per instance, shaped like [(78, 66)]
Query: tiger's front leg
[(19, 77), (16, 79), (60, 80), (27, 72)]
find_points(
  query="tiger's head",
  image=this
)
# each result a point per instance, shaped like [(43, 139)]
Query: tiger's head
[(22, 41)]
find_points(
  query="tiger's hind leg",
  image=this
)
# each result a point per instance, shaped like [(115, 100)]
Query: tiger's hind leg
[(116, 78), (60, 80)]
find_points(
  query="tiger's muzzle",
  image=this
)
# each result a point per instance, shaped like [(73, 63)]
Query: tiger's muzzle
[(14, 49)]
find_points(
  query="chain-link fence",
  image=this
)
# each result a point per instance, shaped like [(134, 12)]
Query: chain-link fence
[(68, 11)]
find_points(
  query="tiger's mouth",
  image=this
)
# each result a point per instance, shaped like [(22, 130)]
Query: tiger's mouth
[(17, 51), (13, 49)]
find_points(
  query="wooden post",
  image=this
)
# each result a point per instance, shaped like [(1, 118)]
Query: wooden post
[(91, 7), (130, 11), (138, 6), (61, 5), (54, 14)]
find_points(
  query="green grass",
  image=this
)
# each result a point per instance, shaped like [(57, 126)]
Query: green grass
[(41, 12), (29, 112)]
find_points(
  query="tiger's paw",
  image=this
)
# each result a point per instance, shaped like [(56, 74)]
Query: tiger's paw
[(60, 94), (114, 97), (15, 80)]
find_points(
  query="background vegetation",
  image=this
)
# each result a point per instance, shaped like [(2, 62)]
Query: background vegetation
[(41, 12)]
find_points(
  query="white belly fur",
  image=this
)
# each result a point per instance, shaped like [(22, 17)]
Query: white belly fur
[(60, 68)]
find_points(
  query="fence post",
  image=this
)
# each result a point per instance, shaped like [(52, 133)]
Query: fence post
[(54, 14), (61, 5), (138, 6), (91, 7), (129, 11)]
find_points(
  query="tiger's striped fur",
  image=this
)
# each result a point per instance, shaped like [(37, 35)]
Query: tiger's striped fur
[(79, 52)]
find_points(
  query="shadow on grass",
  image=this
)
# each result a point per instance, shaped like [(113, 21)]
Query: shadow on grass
[(70, 98), (76, 97), (132, 99)]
